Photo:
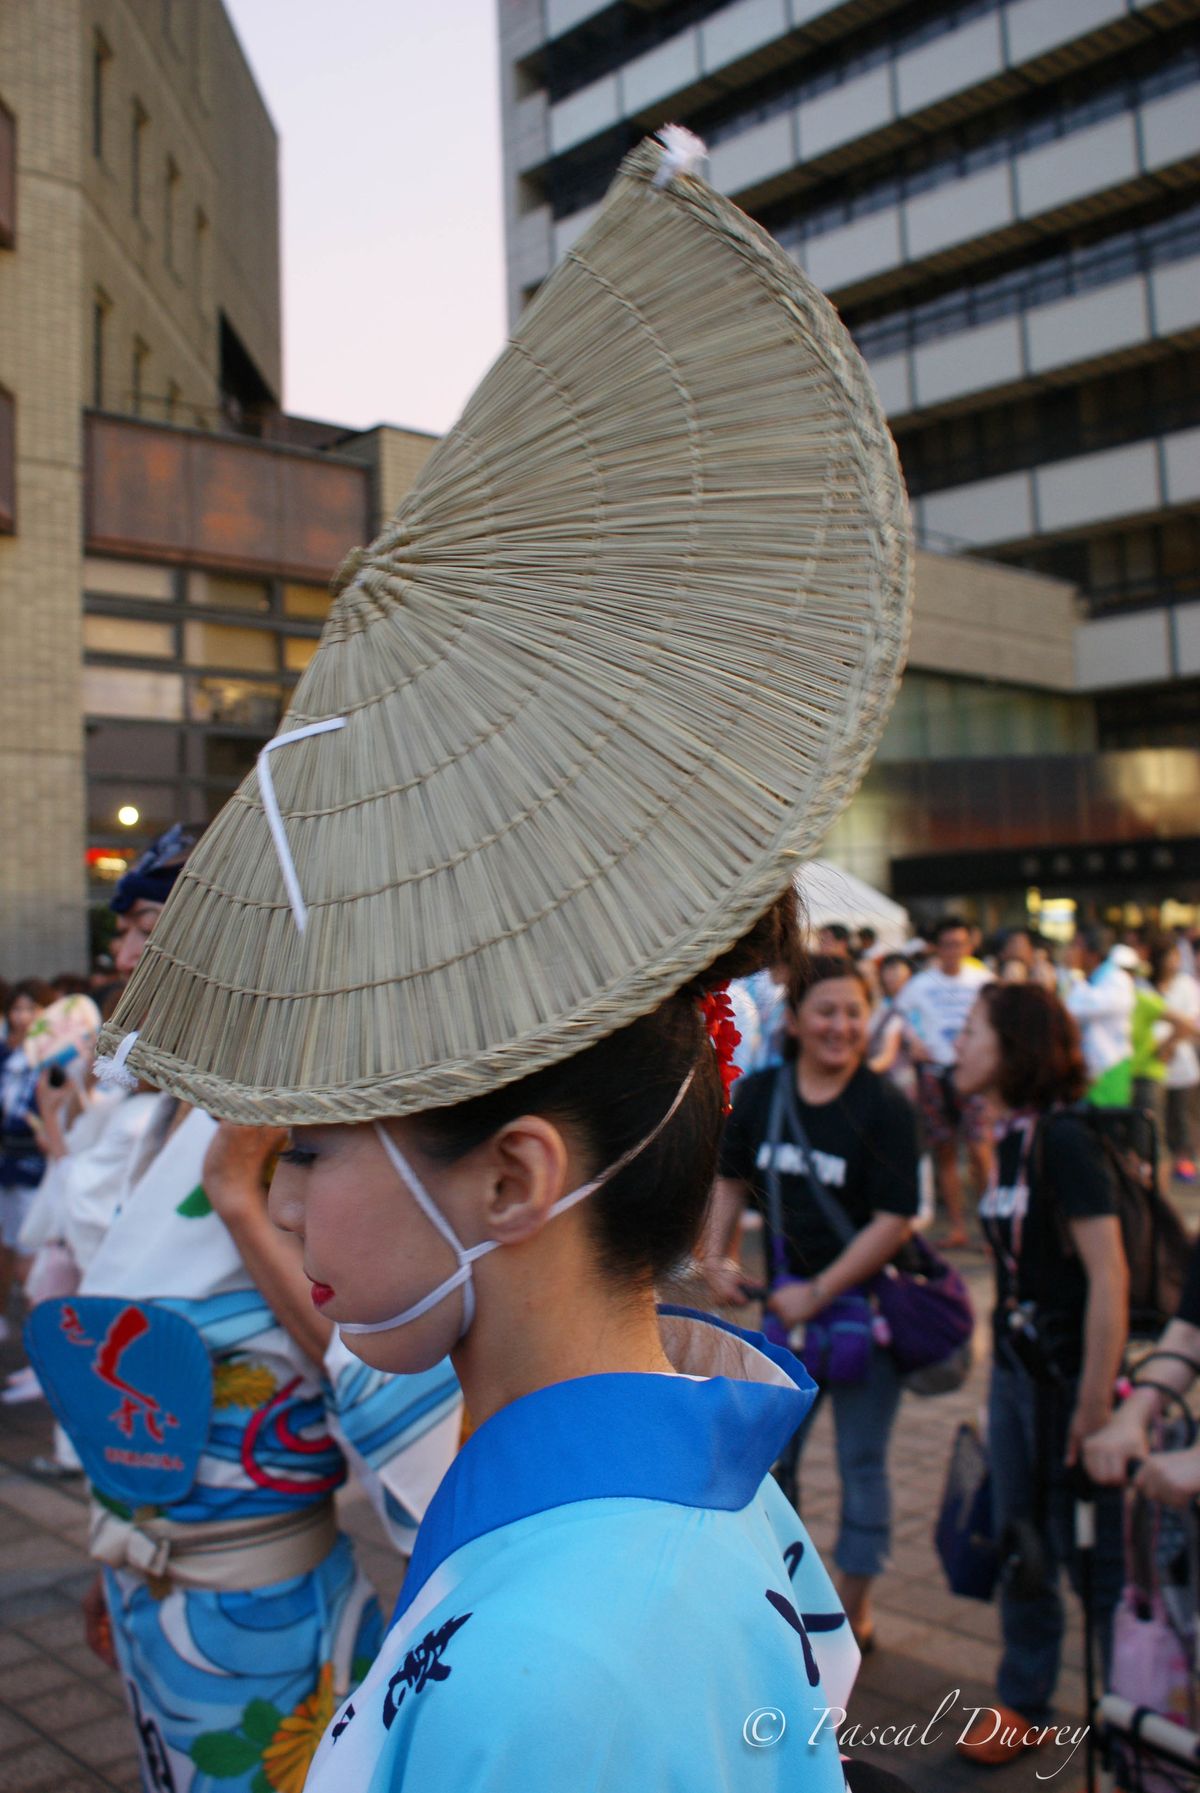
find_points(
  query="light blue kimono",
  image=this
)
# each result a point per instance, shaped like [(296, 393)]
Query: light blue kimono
[(609, 1594)]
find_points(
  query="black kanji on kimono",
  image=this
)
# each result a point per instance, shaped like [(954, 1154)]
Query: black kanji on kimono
[(422, 1665), (802, 1624), (156, 1763), (342, 1722)]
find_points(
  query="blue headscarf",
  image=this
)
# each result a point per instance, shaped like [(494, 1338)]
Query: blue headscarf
[(152, 878)]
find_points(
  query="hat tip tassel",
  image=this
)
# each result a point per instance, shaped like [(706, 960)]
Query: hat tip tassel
[(113, 1073), (683, 153)]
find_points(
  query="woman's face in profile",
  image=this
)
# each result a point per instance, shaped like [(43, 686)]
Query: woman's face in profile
[(830, 1025), (977, 1054)]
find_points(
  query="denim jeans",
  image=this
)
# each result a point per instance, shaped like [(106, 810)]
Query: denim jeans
[(1032, 1626), (863, 1415)]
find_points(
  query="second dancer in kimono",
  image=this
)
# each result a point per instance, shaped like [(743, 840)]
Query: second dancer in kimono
[(234, 1607)]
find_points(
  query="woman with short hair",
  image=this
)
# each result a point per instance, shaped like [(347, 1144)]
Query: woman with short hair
[(1050, 1220)]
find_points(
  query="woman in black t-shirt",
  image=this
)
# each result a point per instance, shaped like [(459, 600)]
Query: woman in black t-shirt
[(1049, 1217), (862, 1149)]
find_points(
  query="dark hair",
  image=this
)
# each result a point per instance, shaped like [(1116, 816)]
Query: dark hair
[(894, 959), (837, 930), (35, 988), (946, 924), (1041, 1059), (1157, 953), (645, 1220), (71, 983), (822, 968), (107, 997), (1095, 940)]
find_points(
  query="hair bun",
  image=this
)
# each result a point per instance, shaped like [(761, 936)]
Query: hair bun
[(773, 940)]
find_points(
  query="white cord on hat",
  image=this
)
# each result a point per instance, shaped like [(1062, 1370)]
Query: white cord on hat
[(466, 1255), (113, 1073), (683, 153), (275, 821)]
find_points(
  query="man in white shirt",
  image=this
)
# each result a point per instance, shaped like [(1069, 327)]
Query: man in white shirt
[(1102, 1002), (936, 1005)]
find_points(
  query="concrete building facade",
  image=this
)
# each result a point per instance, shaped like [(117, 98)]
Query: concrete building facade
[(1002, 197), (166, 532)]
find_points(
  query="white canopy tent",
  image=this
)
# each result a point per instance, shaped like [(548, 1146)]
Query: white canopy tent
[(831, 894)]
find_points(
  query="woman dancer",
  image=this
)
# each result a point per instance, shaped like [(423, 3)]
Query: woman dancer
[(465, 933), (228, 1599)]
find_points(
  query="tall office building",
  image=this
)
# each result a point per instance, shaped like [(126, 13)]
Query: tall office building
[(166, 532), (1002, 197)]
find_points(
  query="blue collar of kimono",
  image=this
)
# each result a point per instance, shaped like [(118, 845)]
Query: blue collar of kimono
[(693, 1443)]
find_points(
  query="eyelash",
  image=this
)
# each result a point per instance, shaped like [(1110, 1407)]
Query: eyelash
[(298, 1156)]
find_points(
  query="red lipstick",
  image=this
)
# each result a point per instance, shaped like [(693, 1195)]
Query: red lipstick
[(321, 1293)]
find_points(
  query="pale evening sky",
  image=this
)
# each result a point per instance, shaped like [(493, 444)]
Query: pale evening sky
[(388, 120)]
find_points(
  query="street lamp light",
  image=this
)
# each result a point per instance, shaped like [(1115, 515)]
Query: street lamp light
[(128, 816)]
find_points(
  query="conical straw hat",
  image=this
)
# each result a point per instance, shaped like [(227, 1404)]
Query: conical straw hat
[(605, 680)]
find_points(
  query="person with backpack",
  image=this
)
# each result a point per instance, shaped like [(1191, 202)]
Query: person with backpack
[(1050, 1219)]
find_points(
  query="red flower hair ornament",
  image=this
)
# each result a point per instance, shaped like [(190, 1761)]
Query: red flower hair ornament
[(717, 1008)]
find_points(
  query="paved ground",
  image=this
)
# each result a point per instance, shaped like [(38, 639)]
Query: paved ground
[(63, 1724)]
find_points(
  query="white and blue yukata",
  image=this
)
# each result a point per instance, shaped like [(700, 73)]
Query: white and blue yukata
[(231, 1686), (609, 1593)]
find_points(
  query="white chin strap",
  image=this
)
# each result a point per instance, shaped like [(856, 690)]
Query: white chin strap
[(466, 1255)]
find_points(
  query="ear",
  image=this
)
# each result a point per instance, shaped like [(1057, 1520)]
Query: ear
[(530, 1168)]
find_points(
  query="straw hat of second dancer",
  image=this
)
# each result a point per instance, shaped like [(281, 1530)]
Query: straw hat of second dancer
[(578, 711)]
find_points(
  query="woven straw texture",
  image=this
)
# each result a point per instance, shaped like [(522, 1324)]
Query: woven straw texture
[(609, 676)]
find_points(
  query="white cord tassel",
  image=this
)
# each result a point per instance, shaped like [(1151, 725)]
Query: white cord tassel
[(683, 153), (113, 1073), (275, 821)]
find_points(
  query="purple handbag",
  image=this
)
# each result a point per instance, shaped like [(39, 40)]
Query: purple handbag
[(929, 1318), (839, 1340)]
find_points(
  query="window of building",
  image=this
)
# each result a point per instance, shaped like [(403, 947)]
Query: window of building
[(8, 462), (137, 141), (101, 56), (174, 400), (311, 601), (229, 756), (137, 379), (170, 209), (121, 749), (298, 650), (200, 257), (220, 591), (123, 691), (127, 579), (237, 703), (128, 635), (8, 178), (101, 306), (225, 644), (157, 805)]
